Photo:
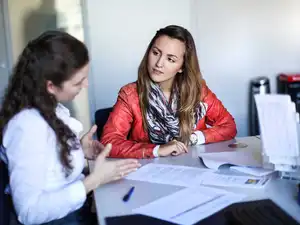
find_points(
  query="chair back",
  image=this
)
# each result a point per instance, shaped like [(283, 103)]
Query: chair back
[(101, 116), (5, 204)]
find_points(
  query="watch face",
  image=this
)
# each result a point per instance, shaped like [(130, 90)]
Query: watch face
[(194, 139)]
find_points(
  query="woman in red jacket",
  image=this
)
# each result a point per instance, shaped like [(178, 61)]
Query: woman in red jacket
[(170, 106)]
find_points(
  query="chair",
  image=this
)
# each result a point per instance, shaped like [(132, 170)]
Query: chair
[(5, 206), (7, 211), (101, 116)]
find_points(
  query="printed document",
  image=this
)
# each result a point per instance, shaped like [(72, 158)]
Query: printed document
[(169, 174), (191, 176), (195, 204)]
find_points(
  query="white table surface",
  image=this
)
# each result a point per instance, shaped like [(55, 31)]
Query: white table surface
[(108, 198)]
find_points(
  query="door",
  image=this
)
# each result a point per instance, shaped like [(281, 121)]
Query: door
[(4, 50)]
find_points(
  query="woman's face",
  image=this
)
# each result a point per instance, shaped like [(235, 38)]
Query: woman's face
[(70, 88), (165, 60)]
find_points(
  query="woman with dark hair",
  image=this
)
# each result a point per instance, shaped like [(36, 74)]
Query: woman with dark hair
[(170, 105), (40, 140)]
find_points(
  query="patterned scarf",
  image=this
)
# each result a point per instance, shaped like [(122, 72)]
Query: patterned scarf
[(162, 115)]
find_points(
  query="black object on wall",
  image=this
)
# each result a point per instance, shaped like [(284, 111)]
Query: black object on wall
[(290, 84)]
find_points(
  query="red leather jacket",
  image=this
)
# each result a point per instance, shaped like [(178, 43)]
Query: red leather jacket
[(124, 128)]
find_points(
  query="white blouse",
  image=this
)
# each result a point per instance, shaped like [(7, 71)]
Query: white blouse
[(40, 189)]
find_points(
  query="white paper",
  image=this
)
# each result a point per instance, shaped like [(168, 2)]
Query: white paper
[(238, 158), (217, 179), (252, 170), (168, 174), (278, 125), (195, 204), (280, 130), (191, 176), (213, 164)]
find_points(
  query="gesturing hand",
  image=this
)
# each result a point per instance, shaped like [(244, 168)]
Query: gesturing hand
[(106, 171), (91, 147)]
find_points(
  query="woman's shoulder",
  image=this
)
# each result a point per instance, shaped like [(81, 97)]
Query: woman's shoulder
[(129, 88), (27, 122), (28, 119), (129, 91)]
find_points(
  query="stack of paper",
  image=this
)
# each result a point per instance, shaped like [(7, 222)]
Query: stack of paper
[(279, 126)]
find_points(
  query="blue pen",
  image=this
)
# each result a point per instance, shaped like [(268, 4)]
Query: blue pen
[(129, 193)]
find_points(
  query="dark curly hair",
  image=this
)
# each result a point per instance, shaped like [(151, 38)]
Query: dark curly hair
[(54, 56)]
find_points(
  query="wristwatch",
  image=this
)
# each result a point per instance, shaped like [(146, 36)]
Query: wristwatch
[(193, 139)]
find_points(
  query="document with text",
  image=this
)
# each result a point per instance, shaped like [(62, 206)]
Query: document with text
[(169, 174), (191, 176), (196, 203)]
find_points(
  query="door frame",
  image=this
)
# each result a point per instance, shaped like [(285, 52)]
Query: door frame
[(86, 32), (8, 40)]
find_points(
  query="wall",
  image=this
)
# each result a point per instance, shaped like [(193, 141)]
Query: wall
[(18, 12), (236, 41), (30, 18), (70, 19), (119, 32), (5, 49), (239, 40)]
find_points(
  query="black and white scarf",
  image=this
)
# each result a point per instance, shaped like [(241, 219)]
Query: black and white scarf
[(162, 115)]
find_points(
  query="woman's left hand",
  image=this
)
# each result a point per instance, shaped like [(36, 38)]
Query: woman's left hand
[(91, 147)]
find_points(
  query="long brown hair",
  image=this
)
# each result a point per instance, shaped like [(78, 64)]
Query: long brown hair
[(188, 82), (53, 56)]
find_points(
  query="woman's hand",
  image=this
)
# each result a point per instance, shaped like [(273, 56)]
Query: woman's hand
[(172, 148), (91, 147), (106, 171)]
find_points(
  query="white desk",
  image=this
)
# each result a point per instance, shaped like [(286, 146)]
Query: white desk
[(109, 202)]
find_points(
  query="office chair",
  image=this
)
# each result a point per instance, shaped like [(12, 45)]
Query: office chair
[(5, 206), (8, 214), (101, 116)]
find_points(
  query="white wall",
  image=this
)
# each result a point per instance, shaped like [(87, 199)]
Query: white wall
[(238, 40), (70, 19), (119, 32), (30, 18), (18, 12)]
